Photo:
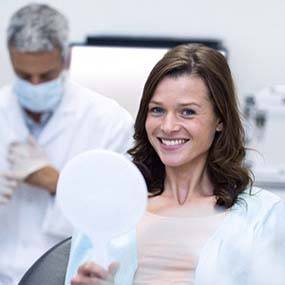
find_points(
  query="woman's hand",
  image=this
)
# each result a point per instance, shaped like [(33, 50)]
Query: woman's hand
[(90, 273)]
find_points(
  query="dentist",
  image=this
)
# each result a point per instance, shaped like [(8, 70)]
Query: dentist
[(45, 120)]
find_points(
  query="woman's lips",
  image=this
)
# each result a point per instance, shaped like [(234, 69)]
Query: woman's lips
[(172, 144)]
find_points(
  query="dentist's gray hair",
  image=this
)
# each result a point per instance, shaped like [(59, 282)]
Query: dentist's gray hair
[(38, 28)]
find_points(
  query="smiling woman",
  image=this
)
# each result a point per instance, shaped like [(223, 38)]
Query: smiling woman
[(196, 83), (189, 145)]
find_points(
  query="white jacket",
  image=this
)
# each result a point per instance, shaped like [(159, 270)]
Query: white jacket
[(248, 248), (30, 223)]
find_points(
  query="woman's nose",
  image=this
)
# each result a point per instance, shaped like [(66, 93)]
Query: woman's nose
[(170, 124)]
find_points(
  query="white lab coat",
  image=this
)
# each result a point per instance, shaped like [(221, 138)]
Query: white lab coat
[(31, 223), (248, 248)]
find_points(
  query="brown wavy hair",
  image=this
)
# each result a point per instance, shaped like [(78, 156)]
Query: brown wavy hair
[(225, 163)]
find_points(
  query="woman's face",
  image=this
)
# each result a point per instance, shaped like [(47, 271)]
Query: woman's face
[(181, 122)]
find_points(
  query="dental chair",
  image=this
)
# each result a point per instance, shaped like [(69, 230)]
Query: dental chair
[(50, 268)]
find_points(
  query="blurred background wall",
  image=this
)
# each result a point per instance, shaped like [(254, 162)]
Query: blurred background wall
[(252, 31)]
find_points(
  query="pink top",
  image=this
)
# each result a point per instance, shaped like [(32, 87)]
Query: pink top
[(169, 247)]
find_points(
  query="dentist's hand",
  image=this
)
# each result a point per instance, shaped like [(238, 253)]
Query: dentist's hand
[(92, 274), (8, 184), (30, 163)]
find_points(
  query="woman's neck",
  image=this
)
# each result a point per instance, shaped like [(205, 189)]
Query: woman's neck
[(187, 183)]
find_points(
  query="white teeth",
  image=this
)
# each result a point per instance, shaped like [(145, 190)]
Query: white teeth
[(173, 142)]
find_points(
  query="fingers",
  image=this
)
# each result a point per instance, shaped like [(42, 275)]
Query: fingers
[(17, 149), (21, 148), (82, 280), (12, 149), (4, 200), (14, 144), (92, 274), (8, 185), (91, 269), (113, 268), (11, 186), (31, 140), (12, 179), (25, 158), (5, 194)]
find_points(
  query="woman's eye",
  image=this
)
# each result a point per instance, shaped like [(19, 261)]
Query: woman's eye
[(156, 110), (188, 112)]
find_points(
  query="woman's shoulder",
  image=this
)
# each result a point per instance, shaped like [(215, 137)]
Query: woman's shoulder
[(260, 197), (257, 202), (256, 210)]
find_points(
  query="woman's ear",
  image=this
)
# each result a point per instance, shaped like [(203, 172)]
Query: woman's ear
[(219, 127)]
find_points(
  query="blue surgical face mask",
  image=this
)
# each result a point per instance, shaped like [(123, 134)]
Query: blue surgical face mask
[(41, 97)]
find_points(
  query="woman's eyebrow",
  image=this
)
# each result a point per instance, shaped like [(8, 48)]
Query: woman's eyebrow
[(155, 102), (189, 104)]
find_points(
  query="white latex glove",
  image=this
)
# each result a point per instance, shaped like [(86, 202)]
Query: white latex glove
[(8, 184), (26, 158)]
